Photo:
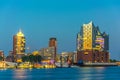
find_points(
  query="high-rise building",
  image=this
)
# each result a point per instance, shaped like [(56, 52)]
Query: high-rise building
[(53, 44), (18, 45), (91, 42)]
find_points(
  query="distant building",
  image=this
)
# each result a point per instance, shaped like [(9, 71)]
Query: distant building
[(18, 45), (35, 53), (53, 44), (10, 57), (10, 53), (47, 53), (69, 56), (1, 53), (92, 45)]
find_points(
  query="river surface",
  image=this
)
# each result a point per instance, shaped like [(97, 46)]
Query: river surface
[(76, 73)]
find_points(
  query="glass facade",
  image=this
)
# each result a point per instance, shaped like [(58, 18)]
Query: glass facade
[(91, 38)]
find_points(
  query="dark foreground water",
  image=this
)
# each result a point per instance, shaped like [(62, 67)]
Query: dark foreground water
[(81, 73)]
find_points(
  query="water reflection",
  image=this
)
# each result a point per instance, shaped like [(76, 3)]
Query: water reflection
[(20, 74), (90, 73), (81, 73), (100, 69)]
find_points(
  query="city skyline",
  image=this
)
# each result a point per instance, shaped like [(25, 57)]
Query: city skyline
[(40, 20)]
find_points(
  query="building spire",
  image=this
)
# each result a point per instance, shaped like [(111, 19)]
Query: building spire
[(20, 33), (20, 30)]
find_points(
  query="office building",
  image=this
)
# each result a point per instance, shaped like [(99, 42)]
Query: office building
[(53, 44), (18, 45)]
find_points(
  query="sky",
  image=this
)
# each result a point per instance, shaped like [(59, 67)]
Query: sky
[(42, 19)]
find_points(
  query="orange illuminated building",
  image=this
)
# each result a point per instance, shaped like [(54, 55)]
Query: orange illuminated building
[(18, 45)]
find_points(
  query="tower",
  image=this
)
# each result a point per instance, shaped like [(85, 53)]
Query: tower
[(18, 44), (53, 43)]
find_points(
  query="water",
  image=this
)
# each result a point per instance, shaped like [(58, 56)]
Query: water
[(81, 73)]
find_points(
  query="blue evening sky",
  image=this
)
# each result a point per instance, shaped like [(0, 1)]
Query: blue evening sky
[(42, 19)]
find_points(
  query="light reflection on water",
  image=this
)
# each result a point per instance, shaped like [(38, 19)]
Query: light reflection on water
[(20, 74), (89, 73), (81, 73)]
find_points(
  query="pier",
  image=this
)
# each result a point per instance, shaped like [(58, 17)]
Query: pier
[(96, 64)]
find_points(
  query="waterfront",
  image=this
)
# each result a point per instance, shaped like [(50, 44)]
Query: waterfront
[(76, 73)]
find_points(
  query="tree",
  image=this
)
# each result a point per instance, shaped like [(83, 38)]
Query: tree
[(38, 58), (32, 58), (25, 58), (113, 60)]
